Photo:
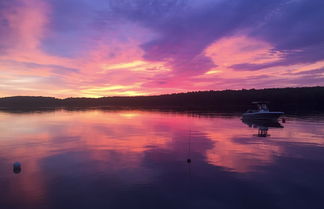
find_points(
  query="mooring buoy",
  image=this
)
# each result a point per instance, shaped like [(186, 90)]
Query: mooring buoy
[(17, 167)]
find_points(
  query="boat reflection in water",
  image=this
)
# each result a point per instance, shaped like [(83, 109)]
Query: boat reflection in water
[(262, 125)]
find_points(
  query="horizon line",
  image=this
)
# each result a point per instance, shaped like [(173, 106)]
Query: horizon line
[(168, 93)]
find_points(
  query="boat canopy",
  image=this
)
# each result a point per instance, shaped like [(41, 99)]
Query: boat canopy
[(262, 105)]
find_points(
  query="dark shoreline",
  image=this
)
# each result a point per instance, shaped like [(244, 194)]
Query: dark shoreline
[(289, 100)]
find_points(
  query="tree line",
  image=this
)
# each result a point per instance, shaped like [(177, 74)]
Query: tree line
[(284, 99)]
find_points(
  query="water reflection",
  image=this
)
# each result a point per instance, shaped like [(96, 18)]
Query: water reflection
[(262, 126), (138, 159)]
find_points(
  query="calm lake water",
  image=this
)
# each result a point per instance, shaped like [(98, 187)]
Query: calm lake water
[(141, 159)]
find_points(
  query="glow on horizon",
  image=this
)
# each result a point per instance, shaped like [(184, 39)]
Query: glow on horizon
[(92, 49)]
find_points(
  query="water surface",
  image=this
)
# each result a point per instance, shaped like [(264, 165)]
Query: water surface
[(141, 159)]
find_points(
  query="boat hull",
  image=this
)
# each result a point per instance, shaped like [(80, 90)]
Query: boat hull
[(262, 123), (262, 115)]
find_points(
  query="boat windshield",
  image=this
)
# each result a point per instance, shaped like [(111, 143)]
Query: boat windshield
[(263, 107)]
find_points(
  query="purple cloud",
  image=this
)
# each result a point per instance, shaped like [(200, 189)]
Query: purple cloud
[(318, 71), (68, 28), (6, 30), (307, 79), (56, 69), (296, 30), (292, 27), (186, 31)]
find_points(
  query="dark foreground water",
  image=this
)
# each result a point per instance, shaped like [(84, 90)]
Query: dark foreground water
[(137, 159)]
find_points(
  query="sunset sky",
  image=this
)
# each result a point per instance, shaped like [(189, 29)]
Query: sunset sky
[(94, 48)]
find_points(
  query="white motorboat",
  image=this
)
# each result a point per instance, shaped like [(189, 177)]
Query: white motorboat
[(262, 113)]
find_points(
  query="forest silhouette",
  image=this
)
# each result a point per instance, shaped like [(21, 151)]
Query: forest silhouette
[(290, 100)]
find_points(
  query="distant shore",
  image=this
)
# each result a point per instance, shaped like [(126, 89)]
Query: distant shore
[(290, 100)]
